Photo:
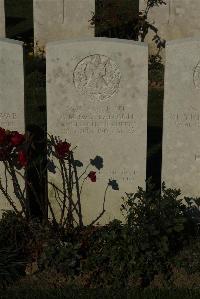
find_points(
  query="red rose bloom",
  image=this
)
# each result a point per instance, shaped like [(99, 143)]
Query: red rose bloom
[(22, 158), (16, 138), (3, 136), (92, 176), (62, 149)]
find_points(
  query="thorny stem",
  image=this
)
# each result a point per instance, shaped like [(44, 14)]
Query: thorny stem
[(83, 184), (59, 190), (84, 171), (9, 199), (70, 214), (17, 190), (30, 185), (52, 212), (64, 188), (77, 192), (103, 209), (5, 173)]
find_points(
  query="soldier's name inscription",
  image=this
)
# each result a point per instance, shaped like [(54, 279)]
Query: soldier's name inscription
[(185, 119), (97, 121)]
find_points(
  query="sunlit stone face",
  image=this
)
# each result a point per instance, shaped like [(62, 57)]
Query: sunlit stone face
[(97, 100), (62, 19), (181, 125)]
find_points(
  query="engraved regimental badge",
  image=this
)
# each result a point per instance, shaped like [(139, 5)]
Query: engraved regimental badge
[(97, 76)]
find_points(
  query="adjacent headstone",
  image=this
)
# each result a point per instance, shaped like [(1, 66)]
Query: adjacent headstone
[(181, 143), (11, 95), (97, 100), (2, 19), (176, 20), (61, 19)]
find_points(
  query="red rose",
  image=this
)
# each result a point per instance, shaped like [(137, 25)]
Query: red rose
[(22, 158), (92, 176), (62, 149), (16, 138), (3, 136)]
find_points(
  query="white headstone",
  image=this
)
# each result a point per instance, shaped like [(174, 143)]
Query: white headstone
[(97, 100), (2, 19), (181, 143), (62, 19), (11, 95), (176, 20)]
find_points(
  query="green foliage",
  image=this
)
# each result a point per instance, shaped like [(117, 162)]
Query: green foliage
[(21, 241), (13, 242), (14, 231), (73, 293), (116, 18), (104, 252), (21, 235), (122, 19), (156, 69), (189, 257), (156, 229), (158, 224), (61, 256), (11, 266), (110, 255)]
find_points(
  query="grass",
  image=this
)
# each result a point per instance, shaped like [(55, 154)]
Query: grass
[(75, 293)]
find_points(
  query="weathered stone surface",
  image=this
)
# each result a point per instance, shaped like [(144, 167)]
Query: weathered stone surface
[(11, 85), (62, 19), (11, 95), (181, 146), (175, 20), (2, 19), (97, 100)]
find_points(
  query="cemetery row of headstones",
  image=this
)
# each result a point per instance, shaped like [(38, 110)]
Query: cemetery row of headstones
[(176, 19), (63, 19), (97, 92)]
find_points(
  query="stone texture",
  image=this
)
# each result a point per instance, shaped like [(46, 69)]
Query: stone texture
[(2, 19), (97, 100), (181, 150), (11, 91), (62, 19), (176, 20)]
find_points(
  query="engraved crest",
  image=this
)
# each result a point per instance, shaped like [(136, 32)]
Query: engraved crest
[(196, 76), (97, 76)]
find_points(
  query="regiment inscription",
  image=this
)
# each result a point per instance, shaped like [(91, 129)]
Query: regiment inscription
[(110, 120)]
